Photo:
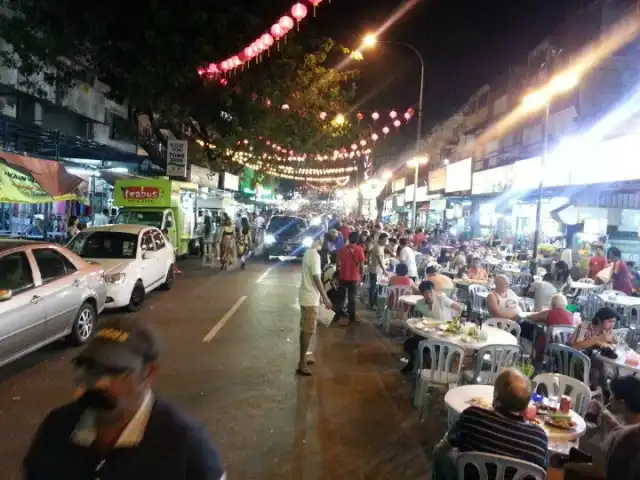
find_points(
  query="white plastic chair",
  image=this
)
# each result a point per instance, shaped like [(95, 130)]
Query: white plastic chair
[(574, 388), (397, 310), (570, 362), (527, 304), (443, 372), (478, 303), (504, 324), (480, 461), (490, 361)]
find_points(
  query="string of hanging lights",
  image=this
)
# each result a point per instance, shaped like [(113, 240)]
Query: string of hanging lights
[(263, 43)]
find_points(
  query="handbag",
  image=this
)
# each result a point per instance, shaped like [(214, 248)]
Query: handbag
[(605, 274)]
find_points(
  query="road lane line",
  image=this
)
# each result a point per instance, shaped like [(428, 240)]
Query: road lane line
[(218, 326), (264, 275)]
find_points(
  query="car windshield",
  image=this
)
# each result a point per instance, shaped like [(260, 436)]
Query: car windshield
[(104, 245), (288, 224), (133, 217)]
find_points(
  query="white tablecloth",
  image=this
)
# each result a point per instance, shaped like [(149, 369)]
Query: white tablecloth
[(495, 336), (457, 399), (620, 300), (620, 362), (583, 286)]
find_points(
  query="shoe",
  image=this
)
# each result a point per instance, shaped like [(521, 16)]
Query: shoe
[(304, 370), (310, 359)]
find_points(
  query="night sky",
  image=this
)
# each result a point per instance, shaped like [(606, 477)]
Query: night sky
[(465, 43)]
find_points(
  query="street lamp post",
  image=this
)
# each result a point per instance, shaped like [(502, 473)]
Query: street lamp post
[(415, 163), (543, 161)]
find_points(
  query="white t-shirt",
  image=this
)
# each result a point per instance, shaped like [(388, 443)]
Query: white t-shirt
[(408, 257), (440, 308), (309, 295), (510, 302), (542, 293)]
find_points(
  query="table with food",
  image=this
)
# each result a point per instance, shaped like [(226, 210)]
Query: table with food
[(468, 335), (622, 358), (561, 423)]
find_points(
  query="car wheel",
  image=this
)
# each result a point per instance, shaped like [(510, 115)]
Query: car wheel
[(84, 325), (137, 297), (171, 278)]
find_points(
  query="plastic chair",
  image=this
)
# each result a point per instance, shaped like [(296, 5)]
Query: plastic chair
[(574, 388), (504, 324), (490, 361), (478, 304), (559, 334), (396, 310), (479, 460), (527, 304), (443, 372), (570, 362), (591, 304)]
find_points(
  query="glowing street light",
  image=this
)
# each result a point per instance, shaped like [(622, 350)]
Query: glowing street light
[(369, 40)]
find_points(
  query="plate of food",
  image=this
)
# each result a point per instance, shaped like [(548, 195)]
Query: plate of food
[(545, 409), (480, 402), (561, 421)]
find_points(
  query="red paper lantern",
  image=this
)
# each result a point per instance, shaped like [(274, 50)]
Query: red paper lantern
[(277, 31), (407, 116), (374, 137), (225, 65), (411, 111), (393, 114), (249, 53), (285, 107), (213, 68), (375, 116), (397, 123), (363, 142), (385, 130), (354, 146), (267, 40), (236, 61), (315, 3), (359, 116), (299, 11), (323, 115), (286, 23), (224, 82)]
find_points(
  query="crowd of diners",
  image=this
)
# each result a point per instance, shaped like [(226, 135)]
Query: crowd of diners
[(392, 253)]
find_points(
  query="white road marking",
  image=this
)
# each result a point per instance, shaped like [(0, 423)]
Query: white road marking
[(218, 326), (264, 275)]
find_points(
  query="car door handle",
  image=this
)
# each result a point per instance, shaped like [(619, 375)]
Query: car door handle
[(36, 298)]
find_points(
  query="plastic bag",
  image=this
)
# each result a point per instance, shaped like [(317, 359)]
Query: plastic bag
[(325, 316)]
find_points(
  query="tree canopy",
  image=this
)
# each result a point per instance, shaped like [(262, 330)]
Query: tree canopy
[(149, 51)]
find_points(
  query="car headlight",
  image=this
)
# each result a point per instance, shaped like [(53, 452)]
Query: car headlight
[(307, 242), (269, 239), (115, 278)]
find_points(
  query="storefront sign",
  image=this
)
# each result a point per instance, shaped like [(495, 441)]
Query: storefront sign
[(18, 187), (438, 205), (496, 180), (408, 193), (176, 158), (458, 176), (203, 177), (398, 184), (526, 173), (142, 192), (437, 179), (422, 194), (230, 182)]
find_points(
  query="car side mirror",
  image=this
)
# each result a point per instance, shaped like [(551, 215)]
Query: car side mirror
[(148, 254), (6, 295)]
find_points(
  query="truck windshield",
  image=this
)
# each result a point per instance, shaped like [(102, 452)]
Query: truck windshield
[(138, 217), (104, 245)]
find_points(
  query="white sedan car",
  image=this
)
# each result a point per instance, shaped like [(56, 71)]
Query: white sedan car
[(136, 259)]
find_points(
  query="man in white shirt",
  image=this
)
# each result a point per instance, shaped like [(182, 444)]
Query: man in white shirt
[(310, 294), (542, 291), (376, 267), (407, 256)]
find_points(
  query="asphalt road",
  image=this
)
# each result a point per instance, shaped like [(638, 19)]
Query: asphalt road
[(229, 354)]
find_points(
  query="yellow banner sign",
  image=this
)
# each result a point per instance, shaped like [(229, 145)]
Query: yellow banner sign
[(18, 187)]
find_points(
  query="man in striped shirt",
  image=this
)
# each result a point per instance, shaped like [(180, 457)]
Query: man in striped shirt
[(501, 430)]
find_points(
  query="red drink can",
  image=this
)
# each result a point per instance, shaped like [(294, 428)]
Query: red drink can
[(565, 404)]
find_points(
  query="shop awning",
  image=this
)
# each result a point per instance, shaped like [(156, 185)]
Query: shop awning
[(33, 180)]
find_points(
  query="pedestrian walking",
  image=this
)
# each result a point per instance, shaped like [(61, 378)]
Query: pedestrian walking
[(116, 428), (243, 242), (227, 255), (207, 239), (310, 293)]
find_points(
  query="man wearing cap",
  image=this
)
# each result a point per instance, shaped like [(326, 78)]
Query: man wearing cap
[(116, 428)]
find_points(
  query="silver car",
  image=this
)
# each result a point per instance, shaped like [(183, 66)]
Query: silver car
[(46, 293)]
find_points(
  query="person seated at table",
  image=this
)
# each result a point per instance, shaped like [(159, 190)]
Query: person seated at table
[(459, 260), (541, 291), (441, 282), (501, 430), (620, 456), (554, 316), (425, 248), (561, 276), (592, 336), (445, 257), (434, 305), (400, 279), (503, 302), (476, 272)]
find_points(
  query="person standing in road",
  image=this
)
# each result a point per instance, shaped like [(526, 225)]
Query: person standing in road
[(116, 428), (207, 238), (243, 243), (350, 267), (310, 293), (226, 244), (376, 267)]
